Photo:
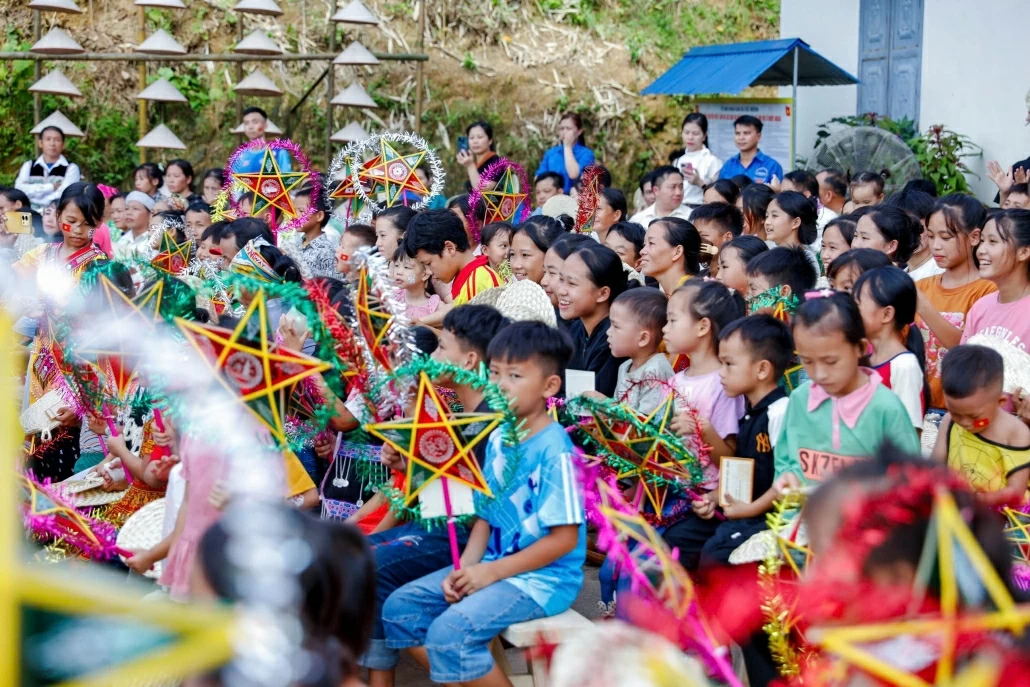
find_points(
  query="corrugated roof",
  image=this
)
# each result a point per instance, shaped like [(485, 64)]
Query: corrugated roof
[(733, 67)]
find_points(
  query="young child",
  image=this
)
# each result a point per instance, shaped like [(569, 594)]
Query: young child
[(495, 241), (390, 226), (837, 237), (438, 240), (627, 240), (525, 553), (697, 314), (529, 243), (944, 300), (777, 275), (847, 267), (754, 351), (354, 237), (409, 551), (867, 189), (791, 221), (920, 205), (734, 258), (889, 230), (637, 319), (844, 412), (554, 260), (412, 279), (977, 438), (718, 224), (886, 298), (591, 278)]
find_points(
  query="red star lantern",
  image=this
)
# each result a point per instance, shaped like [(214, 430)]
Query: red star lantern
[(172, 257), (271, 186)]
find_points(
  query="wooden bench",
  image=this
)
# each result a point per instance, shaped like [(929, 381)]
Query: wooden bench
[(525, 635)]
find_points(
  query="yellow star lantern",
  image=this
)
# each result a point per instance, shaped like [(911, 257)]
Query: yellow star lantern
[(172, 257), (47, 612), (347, 191), (855, 646), (648, 553), (374, 321), (259, 374), (271, 186), (392, 175), (504, 199), (437, 443)]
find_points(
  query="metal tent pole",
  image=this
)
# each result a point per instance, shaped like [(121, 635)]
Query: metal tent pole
[(794, 110)]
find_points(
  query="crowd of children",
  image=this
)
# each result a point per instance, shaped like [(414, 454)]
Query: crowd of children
[(800, 322)]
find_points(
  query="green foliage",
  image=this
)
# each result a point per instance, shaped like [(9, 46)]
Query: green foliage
[(905, 129), (187, 79), (940, 153), (469, 62), (156, 19)]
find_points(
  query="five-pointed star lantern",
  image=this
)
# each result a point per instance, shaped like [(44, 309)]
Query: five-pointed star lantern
[(504, 199), (257, 373), (956, 551), (392, 175), (347, 190), (271, 186), (374, 321), (437, 443), (46, 611), (172, 257)]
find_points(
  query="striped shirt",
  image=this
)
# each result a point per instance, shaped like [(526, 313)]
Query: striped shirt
[(474, 278)]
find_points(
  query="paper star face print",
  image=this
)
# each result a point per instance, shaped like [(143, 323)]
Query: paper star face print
[(172, 257), (392, 175), (272, 186)]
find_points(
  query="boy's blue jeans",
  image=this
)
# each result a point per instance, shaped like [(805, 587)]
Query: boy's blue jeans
[(456, 636), (403, 554)]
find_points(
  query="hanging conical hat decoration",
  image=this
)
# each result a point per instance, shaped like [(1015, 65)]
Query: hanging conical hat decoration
[(354, 96), (270, 128), (258, 84), (258, 43), (351, 132), (55, 6), (57, 42), (266, 7), (256, 372), (162, 91), (161, 137), (356, 54), (161, 43), (436, 442), (168, 4), (355, 13), (57, 119), (56, 83)]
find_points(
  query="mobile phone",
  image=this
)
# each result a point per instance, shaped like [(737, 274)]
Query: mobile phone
[(463, 143), (18, 222)]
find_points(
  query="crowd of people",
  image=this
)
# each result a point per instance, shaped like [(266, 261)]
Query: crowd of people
[(863, 350)]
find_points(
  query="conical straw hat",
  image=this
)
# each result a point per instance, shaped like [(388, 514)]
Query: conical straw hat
[(56, 83), (354, 96), (162, 91), (55, 6), (356, 53), (169, 4), (270, 128), (268, 7), (161, 137), (161, 43), (352, 132), (57, 119), (355, 13), (258, 43), (258, 84), (57, 42)]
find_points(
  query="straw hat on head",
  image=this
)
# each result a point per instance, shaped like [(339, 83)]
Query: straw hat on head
[(520, 301), (560, 204)]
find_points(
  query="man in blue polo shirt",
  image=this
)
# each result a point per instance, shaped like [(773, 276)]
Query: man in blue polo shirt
[(750, 161)]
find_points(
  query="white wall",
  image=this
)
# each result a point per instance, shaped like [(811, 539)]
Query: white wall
[(975, 72), (831, 28)]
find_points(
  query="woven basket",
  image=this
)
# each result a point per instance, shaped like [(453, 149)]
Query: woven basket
[(143, 531), (77, 486), (97, 497), (763, 544)]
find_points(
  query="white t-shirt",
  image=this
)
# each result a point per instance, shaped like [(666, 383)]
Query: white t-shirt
[(822, 219), (707, 166), (928, 269), (648, 215)]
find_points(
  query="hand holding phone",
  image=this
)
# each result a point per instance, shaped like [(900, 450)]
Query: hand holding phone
[(463, 144), (17, 222)]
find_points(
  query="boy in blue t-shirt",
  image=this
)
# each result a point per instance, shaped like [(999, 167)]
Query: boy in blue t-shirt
[(525, 553)]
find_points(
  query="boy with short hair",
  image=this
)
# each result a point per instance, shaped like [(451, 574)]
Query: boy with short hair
[(750, 161), (354, 237), (754, 351), (525, 553), (547, 186), (637, 319), (407, 552), (977, 438), (437, 239), (1017, 197), (315, 247), (718, 224), (786, 269)]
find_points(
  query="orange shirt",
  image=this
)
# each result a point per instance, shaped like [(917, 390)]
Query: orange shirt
[(954, 305)]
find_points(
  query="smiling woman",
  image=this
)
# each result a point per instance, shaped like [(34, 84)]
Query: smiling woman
[(671, 253), (529, 243)]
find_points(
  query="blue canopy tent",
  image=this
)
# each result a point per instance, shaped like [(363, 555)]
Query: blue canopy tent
[(733, 67)]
